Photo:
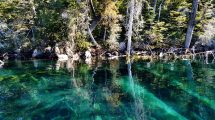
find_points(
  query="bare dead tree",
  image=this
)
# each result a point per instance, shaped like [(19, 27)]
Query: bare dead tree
[(191, 24), (130, 26)]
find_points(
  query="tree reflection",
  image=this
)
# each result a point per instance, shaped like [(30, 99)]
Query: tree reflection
[(138, 103), (107, 90)]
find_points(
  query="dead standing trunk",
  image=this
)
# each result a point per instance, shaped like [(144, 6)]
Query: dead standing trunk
[(96, 18), (154, 6), (89, 28), (160, 8), (92, 38), (94, 23), (105, 32), (191, 23), (92, 8), (130, 26)]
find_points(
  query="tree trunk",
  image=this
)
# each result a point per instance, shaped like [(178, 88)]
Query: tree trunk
[(191, 24), (92, 8), (96, 18), (160, 8), (138, 105), (130, 26), (94, 23), (105, 32), (33, 36), (92, 38), (154, 6)]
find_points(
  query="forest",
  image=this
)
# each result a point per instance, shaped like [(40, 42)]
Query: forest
[(76, 28), (107, 59)]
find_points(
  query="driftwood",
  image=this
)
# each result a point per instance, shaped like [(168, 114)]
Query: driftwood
[(176, 53)]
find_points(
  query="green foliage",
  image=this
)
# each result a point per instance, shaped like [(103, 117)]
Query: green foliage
[(78, 24), (81, 43), (49, 22), (155, 35), (46, 22), (111, 22)]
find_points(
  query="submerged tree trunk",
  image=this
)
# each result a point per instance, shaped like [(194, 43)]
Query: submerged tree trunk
[(130, 26), (191, 23), (138, 105)]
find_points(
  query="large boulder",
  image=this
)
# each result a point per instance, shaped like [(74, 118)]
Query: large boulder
[(69, 52), (87, 54), (122, 46), (63, 49), (37, 53), (76, 57), (60, 54), (62, 57), (57, 50), (48, 49)]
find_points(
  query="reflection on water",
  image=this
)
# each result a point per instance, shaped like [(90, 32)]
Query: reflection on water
[(115, 89)]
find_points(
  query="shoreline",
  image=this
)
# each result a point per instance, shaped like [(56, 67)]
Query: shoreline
[(136, 54)]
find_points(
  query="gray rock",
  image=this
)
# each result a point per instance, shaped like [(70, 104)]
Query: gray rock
[(62, 57), (48, 49), (57, 50), (37, 53), (69, 52), (122, 46), (76, 57), (87, 54), (1, 63)]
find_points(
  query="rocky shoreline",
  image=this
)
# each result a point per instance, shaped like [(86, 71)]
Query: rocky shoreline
[(65, 50), (56, 54)]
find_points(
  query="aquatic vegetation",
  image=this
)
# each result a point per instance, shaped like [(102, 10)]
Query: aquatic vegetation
[(151, 100), (177, 90)]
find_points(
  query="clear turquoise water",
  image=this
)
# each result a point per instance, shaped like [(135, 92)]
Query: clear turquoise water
[(107, 90)]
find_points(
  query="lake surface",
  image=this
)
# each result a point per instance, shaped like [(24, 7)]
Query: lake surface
[(107, 90)]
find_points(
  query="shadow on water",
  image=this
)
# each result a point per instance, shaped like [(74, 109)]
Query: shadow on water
[(107, 89)]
